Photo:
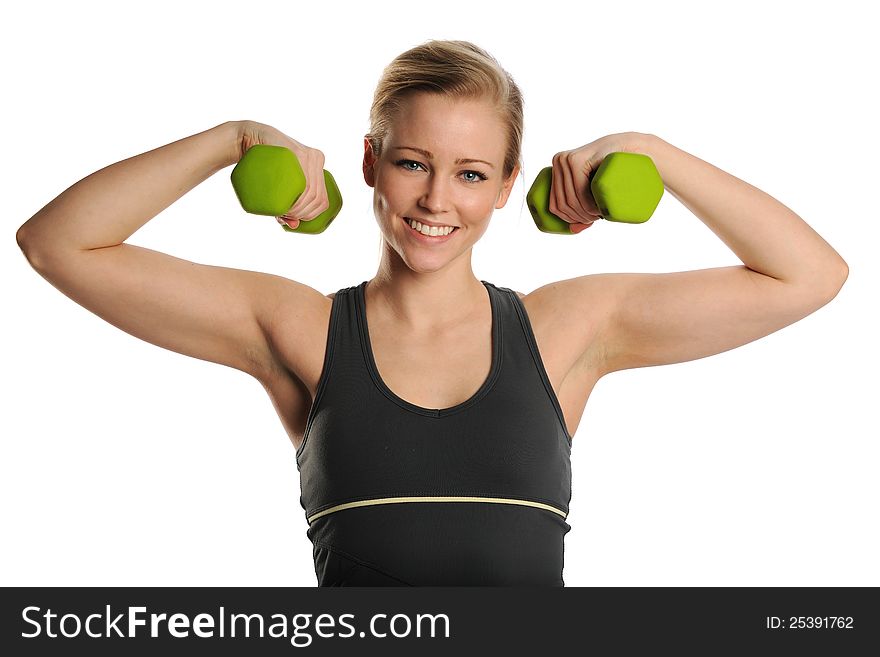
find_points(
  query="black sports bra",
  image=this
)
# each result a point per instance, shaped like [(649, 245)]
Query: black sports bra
[(400, 495)]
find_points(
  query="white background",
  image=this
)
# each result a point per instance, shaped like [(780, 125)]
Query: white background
[(125, 464)]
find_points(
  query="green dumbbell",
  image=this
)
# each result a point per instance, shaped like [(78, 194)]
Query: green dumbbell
[(269, 179), (626, 186)]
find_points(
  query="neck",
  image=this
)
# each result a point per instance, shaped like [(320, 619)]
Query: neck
[(427, 302)]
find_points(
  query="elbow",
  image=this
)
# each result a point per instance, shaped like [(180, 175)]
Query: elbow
[(22, 240), (823, 284), (24, 236), (842, 275), (20, 236), (26, 244), (836, 280)]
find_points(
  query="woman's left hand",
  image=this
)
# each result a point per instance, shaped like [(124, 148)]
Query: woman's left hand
[(570, 197)]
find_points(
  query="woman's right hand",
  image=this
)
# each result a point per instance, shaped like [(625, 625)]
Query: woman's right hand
[(313, 201)]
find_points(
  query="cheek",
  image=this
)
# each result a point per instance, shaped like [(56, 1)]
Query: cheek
[(379, 205), (390, 196), (480, 209)]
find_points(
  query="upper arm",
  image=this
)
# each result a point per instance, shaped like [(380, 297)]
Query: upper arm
[(216, 314), (634, 320)]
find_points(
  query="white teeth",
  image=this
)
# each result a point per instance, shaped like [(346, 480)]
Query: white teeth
[(432, 231)]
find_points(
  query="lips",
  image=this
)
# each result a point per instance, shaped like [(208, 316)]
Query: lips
[(428, 238), (428, 223)]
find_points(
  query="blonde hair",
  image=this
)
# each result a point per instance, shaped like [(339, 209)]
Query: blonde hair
[(454, 69)]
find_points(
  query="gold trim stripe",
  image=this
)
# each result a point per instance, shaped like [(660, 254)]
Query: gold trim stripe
[(397, 500)]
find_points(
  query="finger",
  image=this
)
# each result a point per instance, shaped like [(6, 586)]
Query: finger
[(322, 198), (310, 196), (316, 194), (299, 208), (580, 228), (304, 206), (592, 207), (556, 204), (574, 182)]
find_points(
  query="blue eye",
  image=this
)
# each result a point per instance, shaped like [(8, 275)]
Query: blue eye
[(479, 176)]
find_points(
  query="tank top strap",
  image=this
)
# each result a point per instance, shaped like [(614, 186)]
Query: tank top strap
[(521, 355), (342, 351)]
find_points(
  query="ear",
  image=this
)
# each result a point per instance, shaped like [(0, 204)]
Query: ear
[(369, 161), (504, 194)]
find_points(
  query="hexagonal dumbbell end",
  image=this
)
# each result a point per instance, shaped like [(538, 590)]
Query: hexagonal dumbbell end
[(626, 187), (269, 179)]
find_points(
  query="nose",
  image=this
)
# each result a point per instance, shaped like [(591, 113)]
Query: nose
[(436, 198)]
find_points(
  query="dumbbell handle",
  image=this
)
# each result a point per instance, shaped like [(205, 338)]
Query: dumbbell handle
[(269, 179), (626, 187)]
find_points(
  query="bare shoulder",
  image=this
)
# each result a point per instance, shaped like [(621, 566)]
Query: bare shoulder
[(520, 295), (576, 308), (297, 326)]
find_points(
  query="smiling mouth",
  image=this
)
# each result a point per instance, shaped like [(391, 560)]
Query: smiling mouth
[(410, 224)]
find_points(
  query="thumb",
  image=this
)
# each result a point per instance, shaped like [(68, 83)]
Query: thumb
[(579, 228)]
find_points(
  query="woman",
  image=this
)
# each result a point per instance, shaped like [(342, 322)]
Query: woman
[(432, 412)]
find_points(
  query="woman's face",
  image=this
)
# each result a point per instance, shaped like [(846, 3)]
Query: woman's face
[(418, 177)]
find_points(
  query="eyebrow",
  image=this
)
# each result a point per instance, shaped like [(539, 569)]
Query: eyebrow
[(430, 155)]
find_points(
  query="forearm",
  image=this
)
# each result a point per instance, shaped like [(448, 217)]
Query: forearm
[(108, 206), (767, 236)]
